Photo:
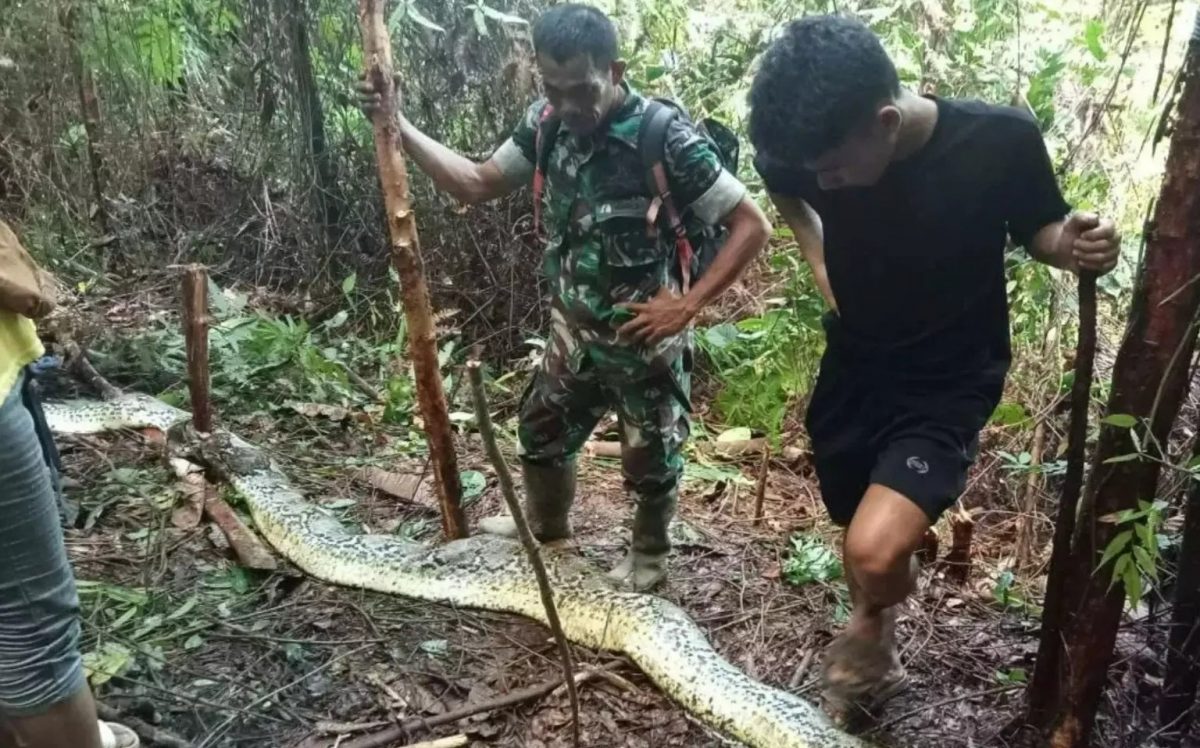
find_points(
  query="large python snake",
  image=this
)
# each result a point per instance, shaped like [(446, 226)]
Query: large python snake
[(485, 572)]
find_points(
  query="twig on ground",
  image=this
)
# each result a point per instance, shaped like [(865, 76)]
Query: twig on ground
[(761, 492), (251, 552), (484, 421), (145, 731), (387, 737), (363, 385), (215, 734), (454, 741), (79, 366), (944, 702)]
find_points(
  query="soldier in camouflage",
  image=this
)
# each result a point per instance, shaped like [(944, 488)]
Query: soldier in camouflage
[(620, 335)]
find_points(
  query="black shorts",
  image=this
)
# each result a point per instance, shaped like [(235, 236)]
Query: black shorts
[(918, 439)]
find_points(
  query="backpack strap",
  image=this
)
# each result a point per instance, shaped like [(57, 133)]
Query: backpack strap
[(652, 144), (547, 131)]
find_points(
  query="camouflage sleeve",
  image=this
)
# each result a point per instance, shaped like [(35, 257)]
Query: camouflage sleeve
[(517, 155), (697, 179)]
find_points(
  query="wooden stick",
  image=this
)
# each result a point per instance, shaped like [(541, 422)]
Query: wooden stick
[(82, 369), (484, 420), (761, 492), (146, 732), (387, 737), (406, 257), (958, 558), (195, 331), (1042, 687), (454, 741), (250, 551)]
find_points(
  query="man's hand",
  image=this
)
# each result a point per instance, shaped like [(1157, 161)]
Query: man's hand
[(1089, 242), (658, 319), (369, 99)]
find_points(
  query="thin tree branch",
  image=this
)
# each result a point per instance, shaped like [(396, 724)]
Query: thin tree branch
[(484, 421)]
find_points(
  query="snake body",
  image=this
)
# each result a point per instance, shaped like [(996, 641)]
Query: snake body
[(489, 573)]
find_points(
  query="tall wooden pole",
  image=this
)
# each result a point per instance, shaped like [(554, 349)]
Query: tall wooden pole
[(406, 257), (195, 333)]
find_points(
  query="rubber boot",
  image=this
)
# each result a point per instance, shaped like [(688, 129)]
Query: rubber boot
[(645, 564), (549, 494)]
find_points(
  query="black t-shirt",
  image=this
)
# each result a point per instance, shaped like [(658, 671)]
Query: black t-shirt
[(916, 261)]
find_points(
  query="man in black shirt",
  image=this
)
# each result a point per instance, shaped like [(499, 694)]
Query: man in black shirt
[(902, 205)]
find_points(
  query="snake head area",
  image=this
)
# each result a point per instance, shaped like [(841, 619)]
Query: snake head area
[(227, 456)]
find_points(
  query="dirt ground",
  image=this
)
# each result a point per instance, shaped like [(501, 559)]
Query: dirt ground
[(185, 641), (220, 656)]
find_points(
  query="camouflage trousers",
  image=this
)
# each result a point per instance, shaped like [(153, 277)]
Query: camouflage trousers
[(578, 382)]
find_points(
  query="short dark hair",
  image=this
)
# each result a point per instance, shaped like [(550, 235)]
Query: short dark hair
[(566, 31), (822, 78)]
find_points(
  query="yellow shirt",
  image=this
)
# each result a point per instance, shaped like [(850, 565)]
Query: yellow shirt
[(19, 345)]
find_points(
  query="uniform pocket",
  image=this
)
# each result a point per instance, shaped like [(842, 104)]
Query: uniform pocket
[(634, 260)]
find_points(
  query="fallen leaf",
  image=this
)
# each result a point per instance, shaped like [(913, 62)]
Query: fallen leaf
[(195, 490), (406, 487), (332, 412)]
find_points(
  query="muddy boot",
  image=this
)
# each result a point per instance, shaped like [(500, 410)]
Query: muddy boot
[(861, 675), (549, 493), (645, 564)]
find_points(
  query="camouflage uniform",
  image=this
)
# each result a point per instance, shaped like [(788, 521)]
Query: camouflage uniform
[(600, 253)]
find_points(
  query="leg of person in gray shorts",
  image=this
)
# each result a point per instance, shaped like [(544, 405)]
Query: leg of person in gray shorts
[(45, 701)]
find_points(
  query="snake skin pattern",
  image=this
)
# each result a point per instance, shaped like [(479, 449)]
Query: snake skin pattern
[(485, 572)]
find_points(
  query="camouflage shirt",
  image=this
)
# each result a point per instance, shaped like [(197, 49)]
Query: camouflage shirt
[(600, 251)]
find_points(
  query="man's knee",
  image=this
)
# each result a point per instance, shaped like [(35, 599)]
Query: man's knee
[(650, 470), (653, 485), (887, 528), (873, 554)]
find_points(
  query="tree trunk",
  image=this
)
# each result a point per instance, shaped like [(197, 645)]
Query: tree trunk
[(1177, 710), (406, 256), (89, 108), (312, 119), (1148, 382)]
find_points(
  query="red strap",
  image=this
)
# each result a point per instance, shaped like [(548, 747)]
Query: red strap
[(539, 179), (683, 246)]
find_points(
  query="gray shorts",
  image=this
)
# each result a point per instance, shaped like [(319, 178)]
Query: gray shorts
[(40, 663)]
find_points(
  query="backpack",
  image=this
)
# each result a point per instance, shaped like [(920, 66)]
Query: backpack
[(697, 249), (25, 288)]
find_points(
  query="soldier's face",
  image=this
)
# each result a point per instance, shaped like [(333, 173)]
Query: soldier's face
[(863, 156), (581, 92)]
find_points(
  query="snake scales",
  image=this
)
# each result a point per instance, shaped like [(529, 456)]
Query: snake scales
[(485, 572)]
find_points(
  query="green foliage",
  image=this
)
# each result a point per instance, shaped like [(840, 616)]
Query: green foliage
[(258, 360), (698, 471), (473, 484), (1006, 595), (1134, 550), (1012, 677), (1022, 462), (766, 361), (810, 560)]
